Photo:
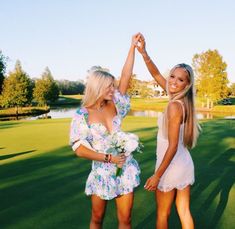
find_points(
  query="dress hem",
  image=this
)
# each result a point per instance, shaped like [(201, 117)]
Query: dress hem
[(178, 187), (110, 198)]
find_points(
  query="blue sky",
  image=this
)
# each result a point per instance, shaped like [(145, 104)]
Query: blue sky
[(70, 36)]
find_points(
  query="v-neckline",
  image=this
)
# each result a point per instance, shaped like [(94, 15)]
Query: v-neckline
[(100, 123)]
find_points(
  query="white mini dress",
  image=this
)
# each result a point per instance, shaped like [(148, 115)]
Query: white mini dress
[(180, 172)]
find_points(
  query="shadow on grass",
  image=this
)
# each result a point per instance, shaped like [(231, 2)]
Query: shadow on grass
[(3, 157), (43, 187), (215, 168), (49, 188), (8, 125)]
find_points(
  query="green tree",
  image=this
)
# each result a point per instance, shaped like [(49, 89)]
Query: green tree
[(2, 69), (46, 89), (17, 89), (67, 87), (211, 76)]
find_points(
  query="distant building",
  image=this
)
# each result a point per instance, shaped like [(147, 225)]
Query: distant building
[(157, 90)]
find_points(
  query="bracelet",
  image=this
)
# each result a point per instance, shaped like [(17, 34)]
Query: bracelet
[(110, 158), (106, 158), (158, 178)]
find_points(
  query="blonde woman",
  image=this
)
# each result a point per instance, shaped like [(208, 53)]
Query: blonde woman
[(178, 131), (104, 106)]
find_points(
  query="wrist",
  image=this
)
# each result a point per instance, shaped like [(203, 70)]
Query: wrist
[(156, 177), (133, 46), (108, 158), (144, 54), (146, 57)]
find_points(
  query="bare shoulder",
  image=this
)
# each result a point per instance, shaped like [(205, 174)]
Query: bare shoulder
[(174, 111)]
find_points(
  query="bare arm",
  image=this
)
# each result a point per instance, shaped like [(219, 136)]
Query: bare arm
[(174, 120), (153, 70), (128, 66), (87, 153)]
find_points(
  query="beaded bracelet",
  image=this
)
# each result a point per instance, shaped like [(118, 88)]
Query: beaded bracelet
[(110, 158), (106, 158)]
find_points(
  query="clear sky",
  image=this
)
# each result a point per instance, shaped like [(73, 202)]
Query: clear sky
[(70, 36)]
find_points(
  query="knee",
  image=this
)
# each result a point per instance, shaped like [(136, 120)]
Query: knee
[(124, 218), (163, 213), (183, 210), (97, 217)]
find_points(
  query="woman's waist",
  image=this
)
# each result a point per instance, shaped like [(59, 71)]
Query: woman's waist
[(182, 154)]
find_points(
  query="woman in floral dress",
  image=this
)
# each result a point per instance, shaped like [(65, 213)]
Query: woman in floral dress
[(104, 106)]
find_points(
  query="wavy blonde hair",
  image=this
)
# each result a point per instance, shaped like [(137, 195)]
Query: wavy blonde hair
[(191, 126), (98, 80)]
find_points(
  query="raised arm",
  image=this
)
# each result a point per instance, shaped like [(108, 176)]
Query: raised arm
[(128, 66), (149, 63)]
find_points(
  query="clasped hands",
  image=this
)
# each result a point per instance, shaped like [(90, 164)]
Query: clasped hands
[(138, 42)]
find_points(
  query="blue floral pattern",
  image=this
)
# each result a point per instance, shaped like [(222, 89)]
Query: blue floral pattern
[(102, 180)]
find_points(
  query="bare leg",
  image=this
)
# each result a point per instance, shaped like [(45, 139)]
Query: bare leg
[(183, 208), (164, 202), (124, 206), (98, 210)]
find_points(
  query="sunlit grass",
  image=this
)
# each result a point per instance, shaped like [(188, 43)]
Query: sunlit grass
[(42, 181)]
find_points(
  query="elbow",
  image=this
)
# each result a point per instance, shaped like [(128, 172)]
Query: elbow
[(79, 152), (173, 148)]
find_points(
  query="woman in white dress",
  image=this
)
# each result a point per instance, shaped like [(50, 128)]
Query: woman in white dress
[(178, 131)]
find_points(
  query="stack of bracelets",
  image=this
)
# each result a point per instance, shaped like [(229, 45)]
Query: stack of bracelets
[(107, 158)]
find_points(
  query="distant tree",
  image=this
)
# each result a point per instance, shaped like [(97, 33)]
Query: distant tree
[(46, 89), (67, 87), (211, 76), (2, 69), (232, 89), (144, 90), (133, 88), (17, 89), (97, 67)]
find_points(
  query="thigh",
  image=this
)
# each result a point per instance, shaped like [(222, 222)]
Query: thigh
[(164, 200), (98, 205), (183, 198), (124, 204)]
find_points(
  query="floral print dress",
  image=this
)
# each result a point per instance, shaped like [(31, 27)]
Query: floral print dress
[(102, 180)]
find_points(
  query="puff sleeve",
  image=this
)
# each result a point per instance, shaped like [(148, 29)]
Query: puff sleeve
[(122, 103), (79, 131)]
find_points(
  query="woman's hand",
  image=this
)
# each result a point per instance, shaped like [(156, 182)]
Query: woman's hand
[(119, 160), (152, 183), (135, 40), (141, 45)]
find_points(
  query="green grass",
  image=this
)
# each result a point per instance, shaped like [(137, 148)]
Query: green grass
[(42, 181)]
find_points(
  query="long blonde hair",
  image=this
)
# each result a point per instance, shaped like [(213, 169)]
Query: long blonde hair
[(191, 126), (98, 80)]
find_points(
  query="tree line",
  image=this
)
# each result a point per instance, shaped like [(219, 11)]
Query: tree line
[(212, 82), (17, 89)]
